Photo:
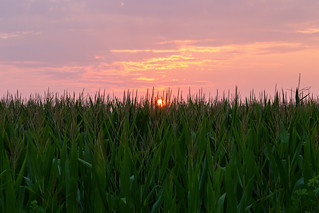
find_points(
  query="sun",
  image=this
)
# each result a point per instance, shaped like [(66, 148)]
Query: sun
[(160, 102)]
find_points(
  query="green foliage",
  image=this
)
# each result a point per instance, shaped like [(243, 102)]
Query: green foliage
[(307, 197), (97, 154)]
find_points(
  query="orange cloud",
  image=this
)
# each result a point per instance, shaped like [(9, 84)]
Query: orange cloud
[(172, 62), (184, 56), (145, 79), (309, 31), (187, 55)]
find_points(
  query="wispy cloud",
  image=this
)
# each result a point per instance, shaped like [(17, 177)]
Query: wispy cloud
[(143, 51), (8, 35), (145, 79), (187, 55), (309, 31)]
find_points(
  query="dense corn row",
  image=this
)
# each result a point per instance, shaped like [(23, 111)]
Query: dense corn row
[(99, 154)]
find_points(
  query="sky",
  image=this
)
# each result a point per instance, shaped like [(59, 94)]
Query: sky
[(118, 45)]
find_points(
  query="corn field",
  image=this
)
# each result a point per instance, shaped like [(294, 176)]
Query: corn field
[(102, 154)]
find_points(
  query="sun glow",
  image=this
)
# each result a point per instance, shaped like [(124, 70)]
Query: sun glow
[(160, 102)]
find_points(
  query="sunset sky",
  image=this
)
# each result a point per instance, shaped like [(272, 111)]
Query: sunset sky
[(137, 44)]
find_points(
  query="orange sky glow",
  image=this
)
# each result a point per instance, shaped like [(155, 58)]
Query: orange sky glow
[(139, 45)]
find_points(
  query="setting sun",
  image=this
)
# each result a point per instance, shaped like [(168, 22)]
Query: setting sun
[(160, 102)]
